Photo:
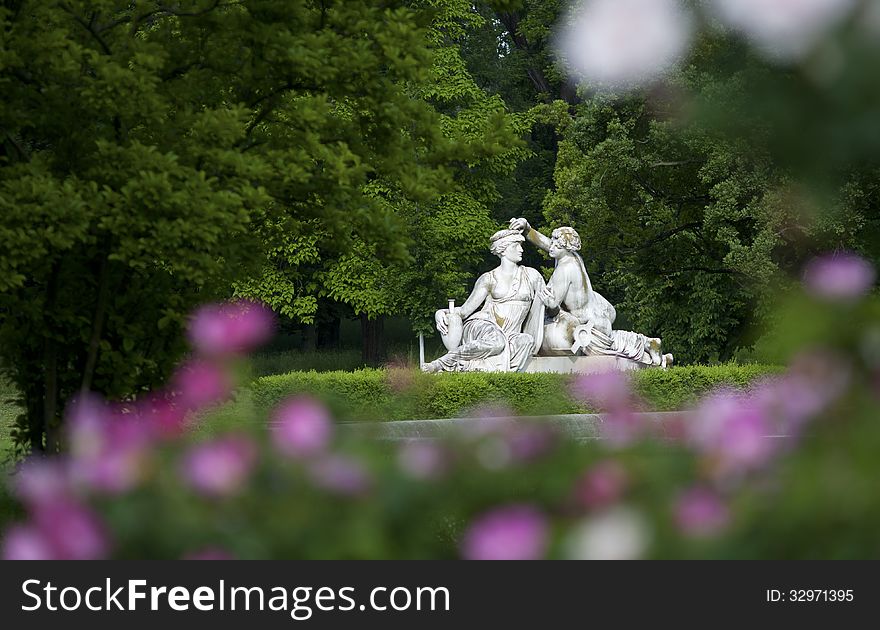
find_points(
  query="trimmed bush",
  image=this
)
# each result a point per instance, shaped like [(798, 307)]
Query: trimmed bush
[(404, 394)]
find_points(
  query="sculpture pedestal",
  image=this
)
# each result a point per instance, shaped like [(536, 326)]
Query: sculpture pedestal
[(581, 365)]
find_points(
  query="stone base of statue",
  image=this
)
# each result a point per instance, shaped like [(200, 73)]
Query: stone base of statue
[(572, 364)]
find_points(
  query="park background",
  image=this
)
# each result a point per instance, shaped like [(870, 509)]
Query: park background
[(344, 163)]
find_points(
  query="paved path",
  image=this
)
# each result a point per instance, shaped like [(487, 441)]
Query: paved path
[(582, 426)]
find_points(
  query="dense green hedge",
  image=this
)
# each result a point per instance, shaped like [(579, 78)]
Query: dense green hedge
[(400, 395)]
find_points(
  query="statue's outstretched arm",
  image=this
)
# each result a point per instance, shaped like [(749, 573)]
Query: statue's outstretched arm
[(532, 235), (537, 239)]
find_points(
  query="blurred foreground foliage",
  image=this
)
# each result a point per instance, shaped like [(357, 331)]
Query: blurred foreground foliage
[(784, 469)]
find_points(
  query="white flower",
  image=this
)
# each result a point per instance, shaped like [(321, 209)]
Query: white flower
[(624, 43), (621, 533), (783, 29)]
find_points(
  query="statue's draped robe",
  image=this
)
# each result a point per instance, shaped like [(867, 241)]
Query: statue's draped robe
[(506, 331), (618, 343)]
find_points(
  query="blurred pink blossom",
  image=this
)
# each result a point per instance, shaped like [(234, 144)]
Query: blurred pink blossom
[(166, 419), (109, 446), (219, 468), (813, 381), (302, 427), (200, 383), (26, 542), (839, 277), (86, 417), (114, 472), (625, 42), (601, 485), (783, 29), (423, 460), (340, 474), (73, 531), (513, 532), (607, 390), (700, 512), (231, 328), (503, 441), (610, 391), (41, 480), (528, 441), (733, 432)]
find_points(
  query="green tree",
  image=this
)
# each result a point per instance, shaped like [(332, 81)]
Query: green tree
[(150, 153), (689, 229), (446, 236)]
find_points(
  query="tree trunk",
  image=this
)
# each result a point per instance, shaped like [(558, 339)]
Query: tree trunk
[(372, 336), (308, 338), (50, 405), (50, 365), (102, 298), (328, 333)]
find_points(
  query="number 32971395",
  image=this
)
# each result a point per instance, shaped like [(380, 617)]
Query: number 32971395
[(810, 595)]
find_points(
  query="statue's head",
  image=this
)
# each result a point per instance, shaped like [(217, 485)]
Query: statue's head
[(507, 244), (564, 240)]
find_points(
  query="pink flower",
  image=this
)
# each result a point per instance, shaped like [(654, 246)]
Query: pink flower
[(528, 441), (423, 460), (340, 475), (42, 480), (26, 542), (113, 472), (607, 390), (602, 485), (700, 512), (201, 383), (813, 382), (219, 468), (302, 427), (625, 42), (166, 419), (514, 532), (110, 447), (503, 441), (72, 531), (610, 391), (733, 432), (231, 328), (839, 277)]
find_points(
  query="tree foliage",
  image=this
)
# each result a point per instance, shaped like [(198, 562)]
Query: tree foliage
[(692, 230), (446, 235), (150, 153)]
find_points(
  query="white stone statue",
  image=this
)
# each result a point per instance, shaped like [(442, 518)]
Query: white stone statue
[(508, 327), (581, 318)]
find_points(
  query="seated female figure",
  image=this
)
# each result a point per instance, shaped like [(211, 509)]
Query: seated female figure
[(507, 328)]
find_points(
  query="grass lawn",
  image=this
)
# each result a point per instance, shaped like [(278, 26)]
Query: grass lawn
[(8, 412), (9, 510)]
